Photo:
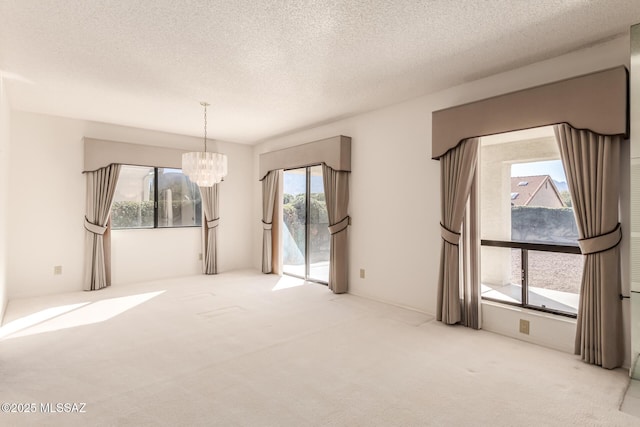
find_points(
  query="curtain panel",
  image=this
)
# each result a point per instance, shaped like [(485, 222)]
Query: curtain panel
[(592, 167), (269, 190), (457, 169), (210, 221), (336, 190), (101, 186)]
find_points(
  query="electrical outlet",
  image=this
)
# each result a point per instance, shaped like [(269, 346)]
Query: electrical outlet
[(524, 326), (362, 273), (200, 256), (57, 269)]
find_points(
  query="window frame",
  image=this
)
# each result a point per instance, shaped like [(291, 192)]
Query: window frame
[(519, 153), (156, 204)]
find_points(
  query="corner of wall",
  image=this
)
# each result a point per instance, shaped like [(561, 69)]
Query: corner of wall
[(4, 188)]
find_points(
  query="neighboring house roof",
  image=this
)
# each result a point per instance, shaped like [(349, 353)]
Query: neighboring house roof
[(524, 188)]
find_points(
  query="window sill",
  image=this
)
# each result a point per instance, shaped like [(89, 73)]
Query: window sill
[(155, 228), (530, 312)]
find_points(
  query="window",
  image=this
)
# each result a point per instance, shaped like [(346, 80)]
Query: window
[(149, 197), (529, 255)]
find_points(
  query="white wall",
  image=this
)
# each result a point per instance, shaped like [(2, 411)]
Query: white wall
[(47, 193), (142, 255), (395, 192), (4, 192)]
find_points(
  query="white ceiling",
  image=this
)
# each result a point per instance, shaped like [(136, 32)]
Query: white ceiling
[(269, 67)]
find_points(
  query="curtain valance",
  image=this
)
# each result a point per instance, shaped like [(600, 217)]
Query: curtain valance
[(334, 152), (100, 153), (596, 101)]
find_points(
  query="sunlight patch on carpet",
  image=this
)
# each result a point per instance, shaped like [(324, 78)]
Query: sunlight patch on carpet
[(71, 316), (287, 282)]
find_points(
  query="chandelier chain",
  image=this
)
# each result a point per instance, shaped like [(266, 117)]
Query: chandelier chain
[(205, 126)]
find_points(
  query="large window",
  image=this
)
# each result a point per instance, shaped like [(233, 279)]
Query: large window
[(530, 255), (149, 197)]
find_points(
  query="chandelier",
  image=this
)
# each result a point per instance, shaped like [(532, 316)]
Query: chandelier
[(204, 168)]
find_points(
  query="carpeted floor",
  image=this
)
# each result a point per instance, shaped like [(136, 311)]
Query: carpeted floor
[(246, 349)]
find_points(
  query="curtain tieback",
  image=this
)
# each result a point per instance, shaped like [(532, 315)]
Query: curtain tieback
[(267, 225), (340, 225), (94, 228), (213, 223), (449, 236), (601, 243)]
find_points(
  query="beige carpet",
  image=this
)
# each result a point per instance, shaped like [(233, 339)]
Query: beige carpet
[(246, 349)]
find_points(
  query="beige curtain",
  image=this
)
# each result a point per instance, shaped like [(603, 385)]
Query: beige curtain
[(336, 190), (592, 166), (470, 248), (210, 220), (269, 190), (457, 169), (101, 186)]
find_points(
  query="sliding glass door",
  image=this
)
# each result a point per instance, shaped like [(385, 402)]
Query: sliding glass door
[(305, 233)]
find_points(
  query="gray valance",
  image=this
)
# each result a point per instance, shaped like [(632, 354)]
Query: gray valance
[(596, 101), (100, 153), (334, 152)]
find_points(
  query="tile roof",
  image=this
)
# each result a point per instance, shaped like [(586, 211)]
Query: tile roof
[(523, 188)]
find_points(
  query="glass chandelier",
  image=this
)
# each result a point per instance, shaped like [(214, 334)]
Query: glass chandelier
[(204, 168)]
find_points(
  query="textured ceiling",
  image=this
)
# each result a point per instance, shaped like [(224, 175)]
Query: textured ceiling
[(269, 67)]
